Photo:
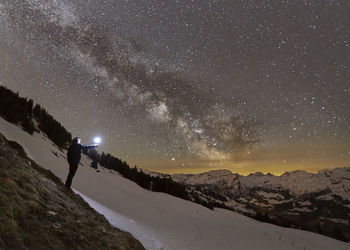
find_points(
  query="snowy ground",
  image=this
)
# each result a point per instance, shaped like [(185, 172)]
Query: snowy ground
[(161, 221)]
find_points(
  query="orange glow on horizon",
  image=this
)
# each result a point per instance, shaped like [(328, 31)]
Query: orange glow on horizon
[(266, 160)]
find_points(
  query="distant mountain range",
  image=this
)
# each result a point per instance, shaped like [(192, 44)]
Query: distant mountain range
[(315, 202)]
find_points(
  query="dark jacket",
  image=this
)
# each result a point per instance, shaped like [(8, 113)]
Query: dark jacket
[(74, 152)]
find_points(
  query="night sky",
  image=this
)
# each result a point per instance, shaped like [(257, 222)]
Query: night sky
[(189, 86)]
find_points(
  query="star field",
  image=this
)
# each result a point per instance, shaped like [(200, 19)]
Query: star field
[(187, 86)]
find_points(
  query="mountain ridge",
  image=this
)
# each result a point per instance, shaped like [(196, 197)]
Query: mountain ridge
[(318, 202)]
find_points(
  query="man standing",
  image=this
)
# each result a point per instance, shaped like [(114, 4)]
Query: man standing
[(73, 157)]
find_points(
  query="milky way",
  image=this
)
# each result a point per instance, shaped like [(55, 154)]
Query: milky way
[(178, 85)]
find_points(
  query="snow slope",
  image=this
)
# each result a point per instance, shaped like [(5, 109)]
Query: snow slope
[(161, 221)]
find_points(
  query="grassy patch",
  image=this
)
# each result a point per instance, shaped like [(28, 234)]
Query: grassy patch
[(38, 212)]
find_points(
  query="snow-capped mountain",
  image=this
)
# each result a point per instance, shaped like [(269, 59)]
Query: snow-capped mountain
[(316, 202)]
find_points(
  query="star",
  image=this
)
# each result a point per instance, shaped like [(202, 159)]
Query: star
[(223, 84)]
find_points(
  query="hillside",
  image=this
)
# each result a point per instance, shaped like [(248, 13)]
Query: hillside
[(38, 212)]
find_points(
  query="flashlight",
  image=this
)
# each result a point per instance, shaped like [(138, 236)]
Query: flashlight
[(97, 140)]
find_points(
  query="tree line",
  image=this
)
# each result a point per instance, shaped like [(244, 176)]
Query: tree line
[(153, 183), (21, 111)]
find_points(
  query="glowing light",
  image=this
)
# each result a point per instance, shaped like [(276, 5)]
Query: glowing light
[(97, 140)]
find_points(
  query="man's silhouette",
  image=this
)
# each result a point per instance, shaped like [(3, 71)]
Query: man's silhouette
[(73, 157)]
